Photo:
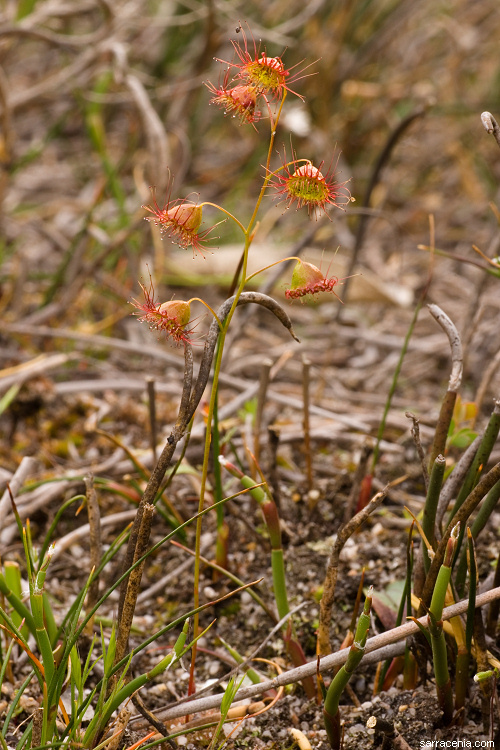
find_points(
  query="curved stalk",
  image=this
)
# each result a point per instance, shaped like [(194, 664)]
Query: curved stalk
[(331, 712)]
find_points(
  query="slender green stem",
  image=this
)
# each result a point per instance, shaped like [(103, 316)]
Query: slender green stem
[(431, 504), (487, 507), (438, 642), (276, 263), (339, 682), (464, 650), (395, 380), (228, 214), (480, 459), (216, 372), (198, 299)]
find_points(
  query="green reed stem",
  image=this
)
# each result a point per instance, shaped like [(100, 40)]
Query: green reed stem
[(271, 517), (464, 650), (487, 507), (331, 713), (431, 505), (480, 459), (438, 641), (99, 723)]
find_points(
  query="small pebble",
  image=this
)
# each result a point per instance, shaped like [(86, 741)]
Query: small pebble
[(213, 668), (357, 728), (360, 685)]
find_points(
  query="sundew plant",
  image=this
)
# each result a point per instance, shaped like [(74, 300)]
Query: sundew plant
[(82, 669), (252, 91), (252, 94)]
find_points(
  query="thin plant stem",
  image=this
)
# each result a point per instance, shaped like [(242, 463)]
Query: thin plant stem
[(153, 427), (448, 404), (325, 612), (394, 383), (306, 375), (261, 400), (431, 503), (94, 517), (331, 707), (216, 372), (402, 355), (222, 527)]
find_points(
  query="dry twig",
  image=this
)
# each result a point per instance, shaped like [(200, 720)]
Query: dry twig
[(491, 126), (375, 651)]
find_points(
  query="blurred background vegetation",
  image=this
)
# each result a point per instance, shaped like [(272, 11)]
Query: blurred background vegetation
[(102, 99)]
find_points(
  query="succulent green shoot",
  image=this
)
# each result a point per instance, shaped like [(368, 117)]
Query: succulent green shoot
[(331, 706)]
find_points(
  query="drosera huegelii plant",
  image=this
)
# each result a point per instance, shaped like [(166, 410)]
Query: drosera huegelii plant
[(298, 182), (254, 81), (265, 75), (253, 91), (308, 280), (259, 84), (171, 317), (237, 101), (180, 220), (247, 90)]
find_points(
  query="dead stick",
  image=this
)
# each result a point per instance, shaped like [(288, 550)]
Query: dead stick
[(446, 413), (347, 530), (491, 125), (94, 516), (133, 584), (153, 435), (306, 375), (261, 402), (374, 644), (392, 738)]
